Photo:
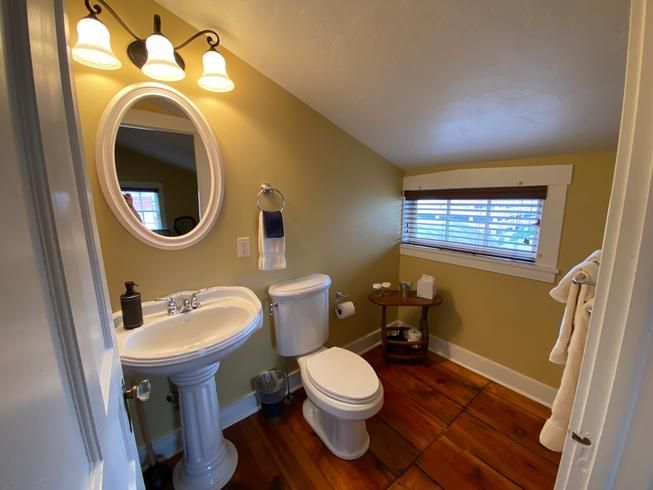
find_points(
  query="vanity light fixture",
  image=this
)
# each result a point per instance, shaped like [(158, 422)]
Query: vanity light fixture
[(156, 56)]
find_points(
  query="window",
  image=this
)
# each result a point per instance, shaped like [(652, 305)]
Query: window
[(506, 220), (147, 205), (494, 222)]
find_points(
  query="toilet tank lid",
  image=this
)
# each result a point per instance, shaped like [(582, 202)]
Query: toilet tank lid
[(300, 286)]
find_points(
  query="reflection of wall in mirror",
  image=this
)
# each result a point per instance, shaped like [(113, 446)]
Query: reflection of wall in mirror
[(179, 186)]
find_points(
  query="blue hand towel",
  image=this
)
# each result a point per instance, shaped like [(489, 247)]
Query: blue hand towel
[(272, 224)]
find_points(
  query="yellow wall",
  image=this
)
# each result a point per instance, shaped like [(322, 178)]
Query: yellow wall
[(343, 200), (509, 319), (343, 219)]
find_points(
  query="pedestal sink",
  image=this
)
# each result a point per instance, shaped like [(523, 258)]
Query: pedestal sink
[(188, 347)]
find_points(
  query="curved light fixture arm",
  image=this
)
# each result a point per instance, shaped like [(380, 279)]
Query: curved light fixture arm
[(95, 50), (96, 10), (213, 43)]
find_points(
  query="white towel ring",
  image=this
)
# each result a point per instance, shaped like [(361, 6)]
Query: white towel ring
[(268, 189)]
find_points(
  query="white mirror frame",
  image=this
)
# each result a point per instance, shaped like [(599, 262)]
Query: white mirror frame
[(106, 164)]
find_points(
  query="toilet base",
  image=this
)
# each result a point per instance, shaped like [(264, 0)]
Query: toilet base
[(347, 439)]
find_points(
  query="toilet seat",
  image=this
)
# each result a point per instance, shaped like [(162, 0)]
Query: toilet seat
[(342, 375)]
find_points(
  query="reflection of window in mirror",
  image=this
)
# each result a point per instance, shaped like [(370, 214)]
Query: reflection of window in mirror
[(147, 204), (129, 199), (157, 142)]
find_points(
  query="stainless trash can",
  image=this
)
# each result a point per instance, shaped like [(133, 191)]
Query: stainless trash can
[(270, 388)]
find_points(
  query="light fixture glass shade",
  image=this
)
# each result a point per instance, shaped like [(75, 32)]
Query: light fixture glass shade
[(161, 63), (214, 77), (93, 47)]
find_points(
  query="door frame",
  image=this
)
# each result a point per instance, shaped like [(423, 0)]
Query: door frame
[(47, 128), (611, 386)]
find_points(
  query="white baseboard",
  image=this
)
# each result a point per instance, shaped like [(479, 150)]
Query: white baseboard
[(171, 444), (165, 448), (365, 343), (529, 387)]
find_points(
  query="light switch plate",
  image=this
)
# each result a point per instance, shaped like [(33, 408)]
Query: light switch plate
[(242, 247)]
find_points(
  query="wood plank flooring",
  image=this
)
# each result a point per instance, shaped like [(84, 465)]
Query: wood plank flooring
[(441, 426)]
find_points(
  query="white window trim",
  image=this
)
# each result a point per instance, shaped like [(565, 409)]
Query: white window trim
[(555, 177)]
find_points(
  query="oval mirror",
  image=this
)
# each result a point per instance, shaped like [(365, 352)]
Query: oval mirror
[(159, 166)]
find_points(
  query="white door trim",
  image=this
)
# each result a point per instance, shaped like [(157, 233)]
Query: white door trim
[(619, 339), (46, 130), (31, 138)]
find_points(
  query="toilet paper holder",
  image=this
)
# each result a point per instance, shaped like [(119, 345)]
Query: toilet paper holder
[(343, 307)]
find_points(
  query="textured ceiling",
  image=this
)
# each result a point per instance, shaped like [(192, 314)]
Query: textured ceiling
[(427, 82)]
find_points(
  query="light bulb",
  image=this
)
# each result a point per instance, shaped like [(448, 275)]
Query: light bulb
[(93, 47), (214, 77), (161, 63)]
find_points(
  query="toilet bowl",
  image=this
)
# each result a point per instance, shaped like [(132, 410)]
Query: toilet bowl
[(342, 389), (342, 392)]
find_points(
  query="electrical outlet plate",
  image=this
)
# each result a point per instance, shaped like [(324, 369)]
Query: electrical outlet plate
[(242, 247)]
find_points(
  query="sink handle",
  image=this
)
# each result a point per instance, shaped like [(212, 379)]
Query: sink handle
[(194, 301), (173, 309)]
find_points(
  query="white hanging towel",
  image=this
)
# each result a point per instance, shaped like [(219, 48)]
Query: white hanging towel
[(576, 295), (554, 432), (271, 251)]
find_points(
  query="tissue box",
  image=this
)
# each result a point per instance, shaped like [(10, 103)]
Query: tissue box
[(426, 287)]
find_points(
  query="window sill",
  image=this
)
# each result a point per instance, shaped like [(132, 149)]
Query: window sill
[(501, 266)]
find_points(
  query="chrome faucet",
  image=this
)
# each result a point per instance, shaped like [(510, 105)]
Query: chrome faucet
[(190, 304), (186, 306)]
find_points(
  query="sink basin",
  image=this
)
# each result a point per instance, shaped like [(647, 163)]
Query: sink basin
[(167, 345), (188, 347)]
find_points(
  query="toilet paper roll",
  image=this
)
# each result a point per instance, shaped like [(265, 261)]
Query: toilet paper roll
[(345, 310)]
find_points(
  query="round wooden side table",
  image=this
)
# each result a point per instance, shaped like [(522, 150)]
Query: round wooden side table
[(404, 349)]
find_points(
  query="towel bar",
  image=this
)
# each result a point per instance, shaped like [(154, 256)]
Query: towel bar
[(583, 279), (268, 189)]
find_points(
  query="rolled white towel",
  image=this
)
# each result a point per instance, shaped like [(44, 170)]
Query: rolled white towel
[(561, 292)]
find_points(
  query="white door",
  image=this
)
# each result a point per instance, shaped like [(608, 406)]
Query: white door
[(612, 409), (63, 421)]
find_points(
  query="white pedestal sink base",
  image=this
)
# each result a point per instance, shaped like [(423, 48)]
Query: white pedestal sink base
[(213, 479), (209, 461)]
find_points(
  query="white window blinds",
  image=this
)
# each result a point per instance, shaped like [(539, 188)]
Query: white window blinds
[(495, 222)]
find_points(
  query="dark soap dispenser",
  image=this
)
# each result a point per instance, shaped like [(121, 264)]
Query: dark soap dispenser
[(130, 304)]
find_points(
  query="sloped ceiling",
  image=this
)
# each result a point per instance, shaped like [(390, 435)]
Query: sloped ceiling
[(176, 149), (426, 82)]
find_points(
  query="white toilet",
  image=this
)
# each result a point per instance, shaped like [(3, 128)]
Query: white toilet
[(342, 388)]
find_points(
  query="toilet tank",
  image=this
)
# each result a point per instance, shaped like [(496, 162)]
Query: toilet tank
[(301, 314)]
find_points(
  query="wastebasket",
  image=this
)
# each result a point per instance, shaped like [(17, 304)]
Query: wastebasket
[(270, 389)]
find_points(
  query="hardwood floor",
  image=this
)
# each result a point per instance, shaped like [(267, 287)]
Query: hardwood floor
[(441, 426)]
